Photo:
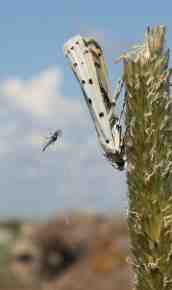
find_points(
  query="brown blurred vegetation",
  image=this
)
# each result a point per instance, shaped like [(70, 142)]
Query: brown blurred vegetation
[(82, 252)]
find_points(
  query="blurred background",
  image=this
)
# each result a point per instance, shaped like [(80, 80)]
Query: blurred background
[(62, 212)]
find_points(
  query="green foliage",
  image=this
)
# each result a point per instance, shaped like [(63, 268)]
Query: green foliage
[(9, 231), (4, 250), (149, 156)]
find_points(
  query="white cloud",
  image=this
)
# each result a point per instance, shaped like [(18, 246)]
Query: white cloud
[(33, 95), (40, 95)]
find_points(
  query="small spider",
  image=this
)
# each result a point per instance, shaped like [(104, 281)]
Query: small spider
[(52, 139)]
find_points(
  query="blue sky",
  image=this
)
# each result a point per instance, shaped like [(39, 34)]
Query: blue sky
[(33, 32), (34, 77)]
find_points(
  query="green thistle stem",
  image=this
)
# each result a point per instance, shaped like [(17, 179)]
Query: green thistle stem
[(149, 156)]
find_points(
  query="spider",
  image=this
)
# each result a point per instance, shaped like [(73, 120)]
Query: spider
[(52, 139)]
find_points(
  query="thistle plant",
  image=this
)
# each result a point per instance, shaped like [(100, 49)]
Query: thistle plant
[(149, 158)]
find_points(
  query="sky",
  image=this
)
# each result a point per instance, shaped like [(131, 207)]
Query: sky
[(39, 94)]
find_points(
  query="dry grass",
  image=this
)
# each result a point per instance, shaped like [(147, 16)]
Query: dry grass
[(88, 253)]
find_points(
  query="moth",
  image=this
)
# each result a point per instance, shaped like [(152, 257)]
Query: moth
[(87, 62)]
